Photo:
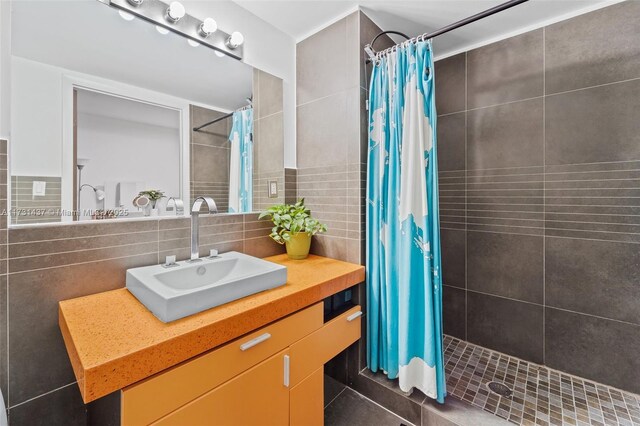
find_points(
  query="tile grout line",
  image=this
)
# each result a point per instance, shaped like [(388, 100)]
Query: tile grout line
[(336, 397), (541, 96), (466, 187), (383, 407), (552, 307), (544, 196), (611, 83), (41, 395), (87, 262), (548, 236)]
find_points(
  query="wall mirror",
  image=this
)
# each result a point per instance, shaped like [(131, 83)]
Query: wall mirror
[(109, 106)]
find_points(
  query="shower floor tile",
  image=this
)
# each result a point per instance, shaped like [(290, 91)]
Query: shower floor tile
[(540, 396)]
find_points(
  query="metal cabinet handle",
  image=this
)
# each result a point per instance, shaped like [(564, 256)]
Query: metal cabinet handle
[(287, 365), (354, 316), (251, 343)]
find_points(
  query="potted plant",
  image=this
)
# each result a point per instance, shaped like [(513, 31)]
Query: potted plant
[(153, 195), (293, 227)]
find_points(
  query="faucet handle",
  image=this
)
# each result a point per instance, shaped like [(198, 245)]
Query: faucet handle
[(170, 261), (178, 206), (213, 253)]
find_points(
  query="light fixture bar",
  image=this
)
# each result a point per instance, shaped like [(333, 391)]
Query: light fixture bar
[(155, 11)]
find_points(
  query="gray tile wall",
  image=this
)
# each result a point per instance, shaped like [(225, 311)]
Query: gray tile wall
[(55, 262), (268, 137), (332, 132), (539, 143), (22, 198), (290, 186), (210, 153), (332, 126)]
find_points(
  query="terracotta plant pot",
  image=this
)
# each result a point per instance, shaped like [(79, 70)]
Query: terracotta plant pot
[(298, 246)]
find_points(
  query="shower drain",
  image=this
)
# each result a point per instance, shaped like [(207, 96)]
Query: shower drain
[(499, 389)]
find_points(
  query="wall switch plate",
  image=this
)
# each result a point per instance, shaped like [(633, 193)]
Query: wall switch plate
[(39, 188), (273, 189)]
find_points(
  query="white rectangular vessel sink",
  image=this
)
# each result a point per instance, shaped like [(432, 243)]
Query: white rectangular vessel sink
[(176, 292)]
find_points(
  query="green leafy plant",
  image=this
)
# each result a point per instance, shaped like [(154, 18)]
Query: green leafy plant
[(152, 194), (291, 219)]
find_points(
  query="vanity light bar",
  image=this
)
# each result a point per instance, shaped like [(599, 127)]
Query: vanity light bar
[(205, 33)]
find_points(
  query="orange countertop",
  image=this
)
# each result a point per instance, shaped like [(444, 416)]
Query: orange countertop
[(113, 341)]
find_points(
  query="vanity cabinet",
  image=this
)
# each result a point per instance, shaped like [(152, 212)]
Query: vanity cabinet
[(273, 376), (255, 397)]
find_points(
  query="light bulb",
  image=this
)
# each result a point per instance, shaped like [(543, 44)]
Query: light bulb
[(219, 54), (162, 30), (193, 43), (208, 27), (175, 11), (100, 194), (235, 39), (126, 15)]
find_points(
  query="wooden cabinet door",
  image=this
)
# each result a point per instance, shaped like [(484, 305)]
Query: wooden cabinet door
[(307, 401), (259, 396)]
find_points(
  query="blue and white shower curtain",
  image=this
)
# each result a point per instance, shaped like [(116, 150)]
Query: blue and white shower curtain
[(241, 162), (404, 284)]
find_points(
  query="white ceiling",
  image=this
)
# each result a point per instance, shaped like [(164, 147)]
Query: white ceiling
[(301, 18), (91, 38)]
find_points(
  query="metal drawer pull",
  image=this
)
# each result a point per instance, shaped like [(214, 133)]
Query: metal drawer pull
[(354, 316), (287, 364), (251, 343)]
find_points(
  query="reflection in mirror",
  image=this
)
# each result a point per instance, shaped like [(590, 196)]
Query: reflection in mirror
[(222, 157), (123, 147), (105, 108)]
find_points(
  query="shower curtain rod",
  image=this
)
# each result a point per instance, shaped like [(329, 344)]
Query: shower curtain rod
[(224, 117), (492, 11)]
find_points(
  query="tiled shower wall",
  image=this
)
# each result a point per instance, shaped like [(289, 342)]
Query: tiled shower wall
[(539, 145), (52, 263), (332, 132)]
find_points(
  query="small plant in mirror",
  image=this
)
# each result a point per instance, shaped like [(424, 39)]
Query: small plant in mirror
[(290, 220), (153, 195)]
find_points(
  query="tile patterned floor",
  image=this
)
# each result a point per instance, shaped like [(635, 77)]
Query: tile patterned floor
[(541, 396)]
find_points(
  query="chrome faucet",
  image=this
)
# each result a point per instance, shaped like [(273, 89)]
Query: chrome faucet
[(178, 206), (195, 213)]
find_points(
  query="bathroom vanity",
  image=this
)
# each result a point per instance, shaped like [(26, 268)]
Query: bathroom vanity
[(257, 360)]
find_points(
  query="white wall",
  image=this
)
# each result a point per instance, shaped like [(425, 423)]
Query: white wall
[(5, 75), (128, 151), (36, 105), (266, 48)]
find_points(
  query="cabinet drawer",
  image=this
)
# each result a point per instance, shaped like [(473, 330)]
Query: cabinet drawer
[(152, 398), (313, 351)]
